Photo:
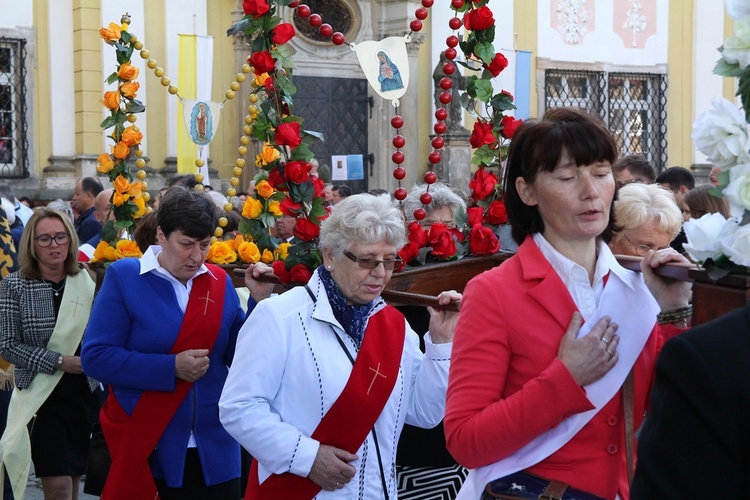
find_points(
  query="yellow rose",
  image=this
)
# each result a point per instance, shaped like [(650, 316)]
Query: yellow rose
[(274, 208), (220, 253), (104, 252), (248, 252), (105, 163), (131, 137), (136, 189), (127, 248), (120, 150), (260, 80), (128, 72), (268, 155), (267, 256), (118, 199), (121, 184), (130, 89), (264, 189), (111, 99), (141, 204), (282, 251), (112, 33), (252, 208)]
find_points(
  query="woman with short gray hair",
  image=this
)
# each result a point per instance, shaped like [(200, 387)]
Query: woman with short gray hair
[(445, 206), (326, 375)]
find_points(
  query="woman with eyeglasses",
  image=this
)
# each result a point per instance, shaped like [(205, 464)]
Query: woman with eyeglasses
[(325, 376), (44, 308), (545, 342)]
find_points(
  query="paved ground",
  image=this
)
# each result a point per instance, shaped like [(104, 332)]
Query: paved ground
[(34, 489)]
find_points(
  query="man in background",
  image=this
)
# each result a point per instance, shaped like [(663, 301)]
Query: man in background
[(679, 180), (86, 191), (633, 168), (340, 192)]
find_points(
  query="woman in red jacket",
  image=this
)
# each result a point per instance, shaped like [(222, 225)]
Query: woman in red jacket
[(545, 341)]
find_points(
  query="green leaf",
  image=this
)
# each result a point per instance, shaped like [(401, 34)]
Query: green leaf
[(135, 106), (502, 102), (125, 36), (301, 193), (108, 122), (239, 27), (484, 156), (484, 90), (109, 233), (471, 85), (284, 53), (485, 51), (302, 153), (723, 68), (318, 210), (487, 35), (311, 137), (112, 78), (285, 84)]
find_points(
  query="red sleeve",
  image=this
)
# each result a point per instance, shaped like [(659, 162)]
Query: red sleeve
[(482, 424)]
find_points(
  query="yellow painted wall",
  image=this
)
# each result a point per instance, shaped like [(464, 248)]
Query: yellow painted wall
[(525, 25), (729, 84), (87, 76), (154, 40), (680, 102), (42, 132)]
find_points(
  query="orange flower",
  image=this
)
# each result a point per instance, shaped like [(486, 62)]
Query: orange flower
[(260, 80), (121, 184), (112, 33), (136, 189), (267, 256), (264, 189), (268, 155), (220, 253), (127, 248), (128, 72), (104, 252), (111, 99), (130, 89), (274, 208), (251, 208), (105, 163), (248, 252), (120, 150), (131, 137), (119, 199), (140, 202)]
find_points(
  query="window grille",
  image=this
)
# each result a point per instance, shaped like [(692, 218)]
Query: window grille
[(633, 105), (14, 148)]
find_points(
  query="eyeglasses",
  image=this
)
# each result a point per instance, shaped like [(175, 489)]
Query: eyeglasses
[(388, 265), (641, 250), (45, 240), (628, 181), (448, 224)]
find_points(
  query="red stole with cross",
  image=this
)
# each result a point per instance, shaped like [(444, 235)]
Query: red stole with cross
[(353, 415), (132, 438)]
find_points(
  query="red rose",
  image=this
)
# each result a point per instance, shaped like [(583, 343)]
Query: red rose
[(289, 207), (510, 125), (482, 134), (282, 33), (268, 85), (276, 180), (318, 185), (300, 273), (474, 216), (505, 92), (255, 8), (478, 19), (496, 213), (498, 64), (305, 229), (417, 234), (287, 134), (444, 245), (295, 171), (407, 254), (482, 184), (279, 269), (262, 62), (482, 241)]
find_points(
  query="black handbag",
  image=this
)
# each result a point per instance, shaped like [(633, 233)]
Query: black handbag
[(526, 486), (99, 461)]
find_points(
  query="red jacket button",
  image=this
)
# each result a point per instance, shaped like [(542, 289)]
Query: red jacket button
[(612, 449), (612, 420)]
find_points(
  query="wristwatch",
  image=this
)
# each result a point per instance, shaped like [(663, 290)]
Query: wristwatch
[(59, 362)]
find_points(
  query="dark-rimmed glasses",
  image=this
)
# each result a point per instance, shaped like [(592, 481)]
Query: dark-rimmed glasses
[(388, 264), (45, 240)]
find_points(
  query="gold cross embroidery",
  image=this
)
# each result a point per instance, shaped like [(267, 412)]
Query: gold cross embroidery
[(374, 377), (207, 299), (76, 304)]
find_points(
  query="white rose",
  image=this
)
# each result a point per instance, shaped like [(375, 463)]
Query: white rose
[(737, 191), (723, 135), (737, 246), (737, 47), (737, 9), (704, 236)]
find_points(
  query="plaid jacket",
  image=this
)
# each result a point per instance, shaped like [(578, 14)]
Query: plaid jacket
[(27, 319)]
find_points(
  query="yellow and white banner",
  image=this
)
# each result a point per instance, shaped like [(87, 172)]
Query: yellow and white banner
[(194, 78)]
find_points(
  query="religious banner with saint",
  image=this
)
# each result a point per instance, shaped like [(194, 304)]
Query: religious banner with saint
[(386, 65)]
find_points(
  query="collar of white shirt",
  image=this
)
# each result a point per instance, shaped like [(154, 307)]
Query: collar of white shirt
[(150, 263)]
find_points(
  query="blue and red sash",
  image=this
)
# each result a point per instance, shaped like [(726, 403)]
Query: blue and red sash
[(353, 415), (132, 438)]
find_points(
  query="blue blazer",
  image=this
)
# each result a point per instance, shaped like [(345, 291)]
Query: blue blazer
[(134, 323)]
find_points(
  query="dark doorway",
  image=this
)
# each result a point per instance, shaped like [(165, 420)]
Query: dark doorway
[(339, 108)]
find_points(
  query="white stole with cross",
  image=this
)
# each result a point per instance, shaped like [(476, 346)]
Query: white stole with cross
[(15, 447), (634, 330)]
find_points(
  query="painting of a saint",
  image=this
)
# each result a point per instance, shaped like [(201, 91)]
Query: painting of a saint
[(201, 129), (389, 74)]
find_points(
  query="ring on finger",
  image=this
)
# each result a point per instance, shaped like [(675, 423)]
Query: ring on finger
[(338, 485), (606, 341), (610, 352)]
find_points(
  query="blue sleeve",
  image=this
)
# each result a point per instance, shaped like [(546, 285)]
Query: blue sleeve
[(106, 354)]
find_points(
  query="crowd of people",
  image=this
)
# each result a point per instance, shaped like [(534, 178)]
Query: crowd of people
[(543, 377)]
